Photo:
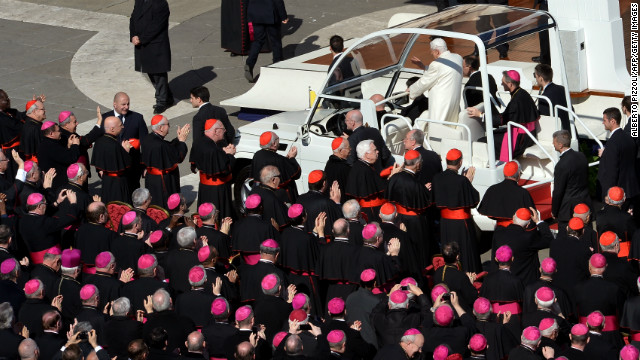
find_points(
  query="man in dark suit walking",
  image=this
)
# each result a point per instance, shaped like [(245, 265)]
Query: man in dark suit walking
[(135, 129), (200, 99), (149, 33), (470, 68), (571, 176), (618, 158), (556, 93), (266, 16)]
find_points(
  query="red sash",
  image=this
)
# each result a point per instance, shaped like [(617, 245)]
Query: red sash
[(457, 214), (156, 171), (38, 256), (635, 336), (208, 180), (372, 203), (404, 211), (504, 223), (251, 258), (513, 307)]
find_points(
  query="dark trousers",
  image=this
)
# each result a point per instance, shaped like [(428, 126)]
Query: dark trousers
[(260, 33), (545, 51), (160, 82)]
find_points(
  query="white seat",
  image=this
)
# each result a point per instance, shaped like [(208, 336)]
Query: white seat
[(394, 132), (547, 126)]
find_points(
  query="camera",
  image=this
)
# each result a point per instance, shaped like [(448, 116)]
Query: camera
[(305, 327), (404, 287), (83, 335), (446, 296)]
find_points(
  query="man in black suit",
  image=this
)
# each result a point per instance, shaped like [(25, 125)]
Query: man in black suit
[(571, 176), (120, 330), (544, 76), (149, 33), (345, 69), (266, 16), (200, 99), (618, 159), (470, 67), (431, 162), (53, 337), (134, 128), (359, 132)]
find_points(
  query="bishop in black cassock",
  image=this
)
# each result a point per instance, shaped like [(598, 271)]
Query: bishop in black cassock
[(501, 200), (161, 159), (317, 200), (252, 230), (287, 165), (364, 183), (337, 167), (273, 206), (31, 136), (215, 164), (455, 196), (112, 161)]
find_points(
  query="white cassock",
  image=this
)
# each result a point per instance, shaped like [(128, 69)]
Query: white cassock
[(443, 80)]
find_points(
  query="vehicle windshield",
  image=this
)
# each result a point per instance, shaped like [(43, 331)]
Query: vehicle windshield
[(372, 62)]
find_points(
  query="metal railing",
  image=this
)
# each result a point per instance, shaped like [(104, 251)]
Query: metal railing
[(509, 141), (575, 117)]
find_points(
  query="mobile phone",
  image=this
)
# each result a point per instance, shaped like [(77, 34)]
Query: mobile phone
[(446, 296), (83, 335), (305, 327), (405, 287), (254, 329)]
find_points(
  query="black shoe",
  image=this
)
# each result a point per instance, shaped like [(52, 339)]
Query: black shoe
[(504, 56), (535, 59), (248, 73), (159, 109)]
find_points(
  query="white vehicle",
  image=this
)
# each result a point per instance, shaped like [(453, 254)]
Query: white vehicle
[(383, 63)]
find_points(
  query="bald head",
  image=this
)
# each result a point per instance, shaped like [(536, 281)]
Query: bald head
[(92, 356), (112, 125), (244, 350), (353, 119), (376, 98), (293, 346), (341, 228), (195, 342), (97, 213), (28, 349)]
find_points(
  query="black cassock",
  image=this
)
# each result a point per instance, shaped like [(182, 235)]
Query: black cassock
[(529, 304), (273, 207), (195, 304), (502, 200), (215, 175), (412, 199), (454, 195), (92, 239), (10, 131), (217, 239), (251, 279), (298, 254), (525, 244), (368, 257), (522, 110), (114, 161), (248, 233), (289, 172), (365, 185), (334, 267), (502, 287), (613, 218), (127, 249), (596, 293), (86, 142), (337, 169), (30, 138), (630, 318), (69, 288), (572, 258), (391, 352), (431, 165), (408, 255), (499, 339), (53, 154), (161, 159), (314, 202)]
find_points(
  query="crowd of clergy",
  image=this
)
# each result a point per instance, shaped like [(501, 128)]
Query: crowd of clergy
[(375, 261)]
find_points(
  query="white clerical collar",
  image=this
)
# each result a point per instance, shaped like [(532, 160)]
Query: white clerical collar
[(266, 261)]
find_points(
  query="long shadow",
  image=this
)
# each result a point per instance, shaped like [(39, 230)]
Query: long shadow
[(181, 84), (291, 26), (292, 50)]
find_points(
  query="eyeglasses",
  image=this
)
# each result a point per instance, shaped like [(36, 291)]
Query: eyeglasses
[(277, 176)]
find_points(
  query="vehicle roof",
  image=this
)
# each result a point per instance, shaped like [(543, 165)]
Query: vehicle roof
[(464, 18)]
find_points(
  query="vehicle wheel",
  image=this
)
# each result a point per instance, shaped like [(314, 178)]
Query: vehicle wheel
[(242, 185)]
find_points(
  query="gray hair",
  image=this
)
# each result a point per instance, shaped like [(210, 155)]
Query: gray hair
[(27, 349), (140, 196), (276, 289), (82, 326), (162, 122), (518, 221), (32, 108), (121, 306), (351, 209), (509, 79), (201, 282), (68, 271), (413, 161), (376, 236), (438, 44), (81, 170), (212, 214), (339, 344), (408, 338), (484, 316), (611, 247), (195, 341), (112, 260), (550, 330), (402, 305), (6, 316), (531, 343), (343, 144), (274, 138), (95, 296), (149, 271), (186, 237), (417, 135), (363, 147), (161, 300), (267, 173), (67, 120), (390, 217), (38, 292), (563, 137), (612, 202)]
